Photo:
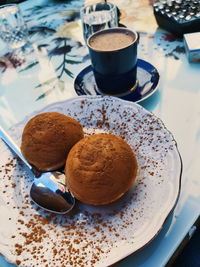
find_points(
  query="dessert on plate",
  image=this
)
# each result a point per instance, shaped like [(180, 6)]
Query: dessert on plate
[(47, 139), (100, 168)]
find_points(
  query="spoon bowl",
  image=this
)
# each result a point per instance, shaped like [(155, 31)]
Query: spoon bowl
[(48, 189), (50, 193)]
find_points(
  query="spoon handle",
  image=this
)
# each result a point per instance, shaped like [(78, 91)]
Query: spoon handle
[(13, 146)]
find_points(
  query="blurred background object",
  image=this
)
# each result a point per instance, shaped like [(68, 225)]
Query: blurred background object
[(192, 46), (13, 30), (178, 16)]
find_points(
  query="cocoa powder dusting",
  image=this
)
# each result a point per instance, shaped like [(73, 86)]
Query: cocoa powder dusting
[(87, 235)]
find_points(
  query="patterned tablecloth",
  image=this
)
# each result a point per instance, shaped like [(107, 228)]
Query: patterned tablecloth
[(58, 53)]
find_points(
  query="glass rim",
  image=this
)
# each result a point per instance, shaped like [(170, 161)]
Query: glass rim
[(111, 5)]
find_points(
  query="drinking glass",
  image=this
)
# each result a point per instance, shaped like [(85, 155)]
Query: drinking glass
[(98, 17), (13, 30)]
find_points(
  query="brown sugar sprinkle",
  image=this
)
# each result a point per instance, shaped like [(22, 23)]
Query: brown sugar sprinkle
[(19, 249), (21, 221), (18, 262), (151, 173), (6, 170)]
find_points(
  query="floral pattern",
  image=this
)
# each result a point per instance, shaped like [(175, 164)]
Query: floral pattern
[(56, 27)]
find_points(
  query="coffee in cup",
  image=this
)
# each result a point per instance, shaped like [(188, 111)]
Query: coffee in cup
[(113, 54), (110, 41)]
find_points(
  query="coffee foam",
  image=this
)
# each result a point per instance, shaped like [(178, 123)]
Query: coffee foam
[(112, 40)]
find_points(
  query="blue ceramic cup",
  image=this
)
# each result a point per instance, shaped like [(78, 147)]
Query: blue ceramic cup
[(113, 54)]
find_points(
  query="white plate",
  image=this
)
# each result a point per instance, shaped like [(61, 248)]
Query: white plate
[(92, 236)]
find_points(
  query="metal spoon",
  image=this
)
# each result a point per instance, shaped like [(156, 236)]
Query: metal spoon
[(48, 190)]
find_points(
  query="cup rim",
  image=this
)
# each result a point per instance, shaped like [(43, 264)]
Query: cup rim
[(113, 6), (110, 29)]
